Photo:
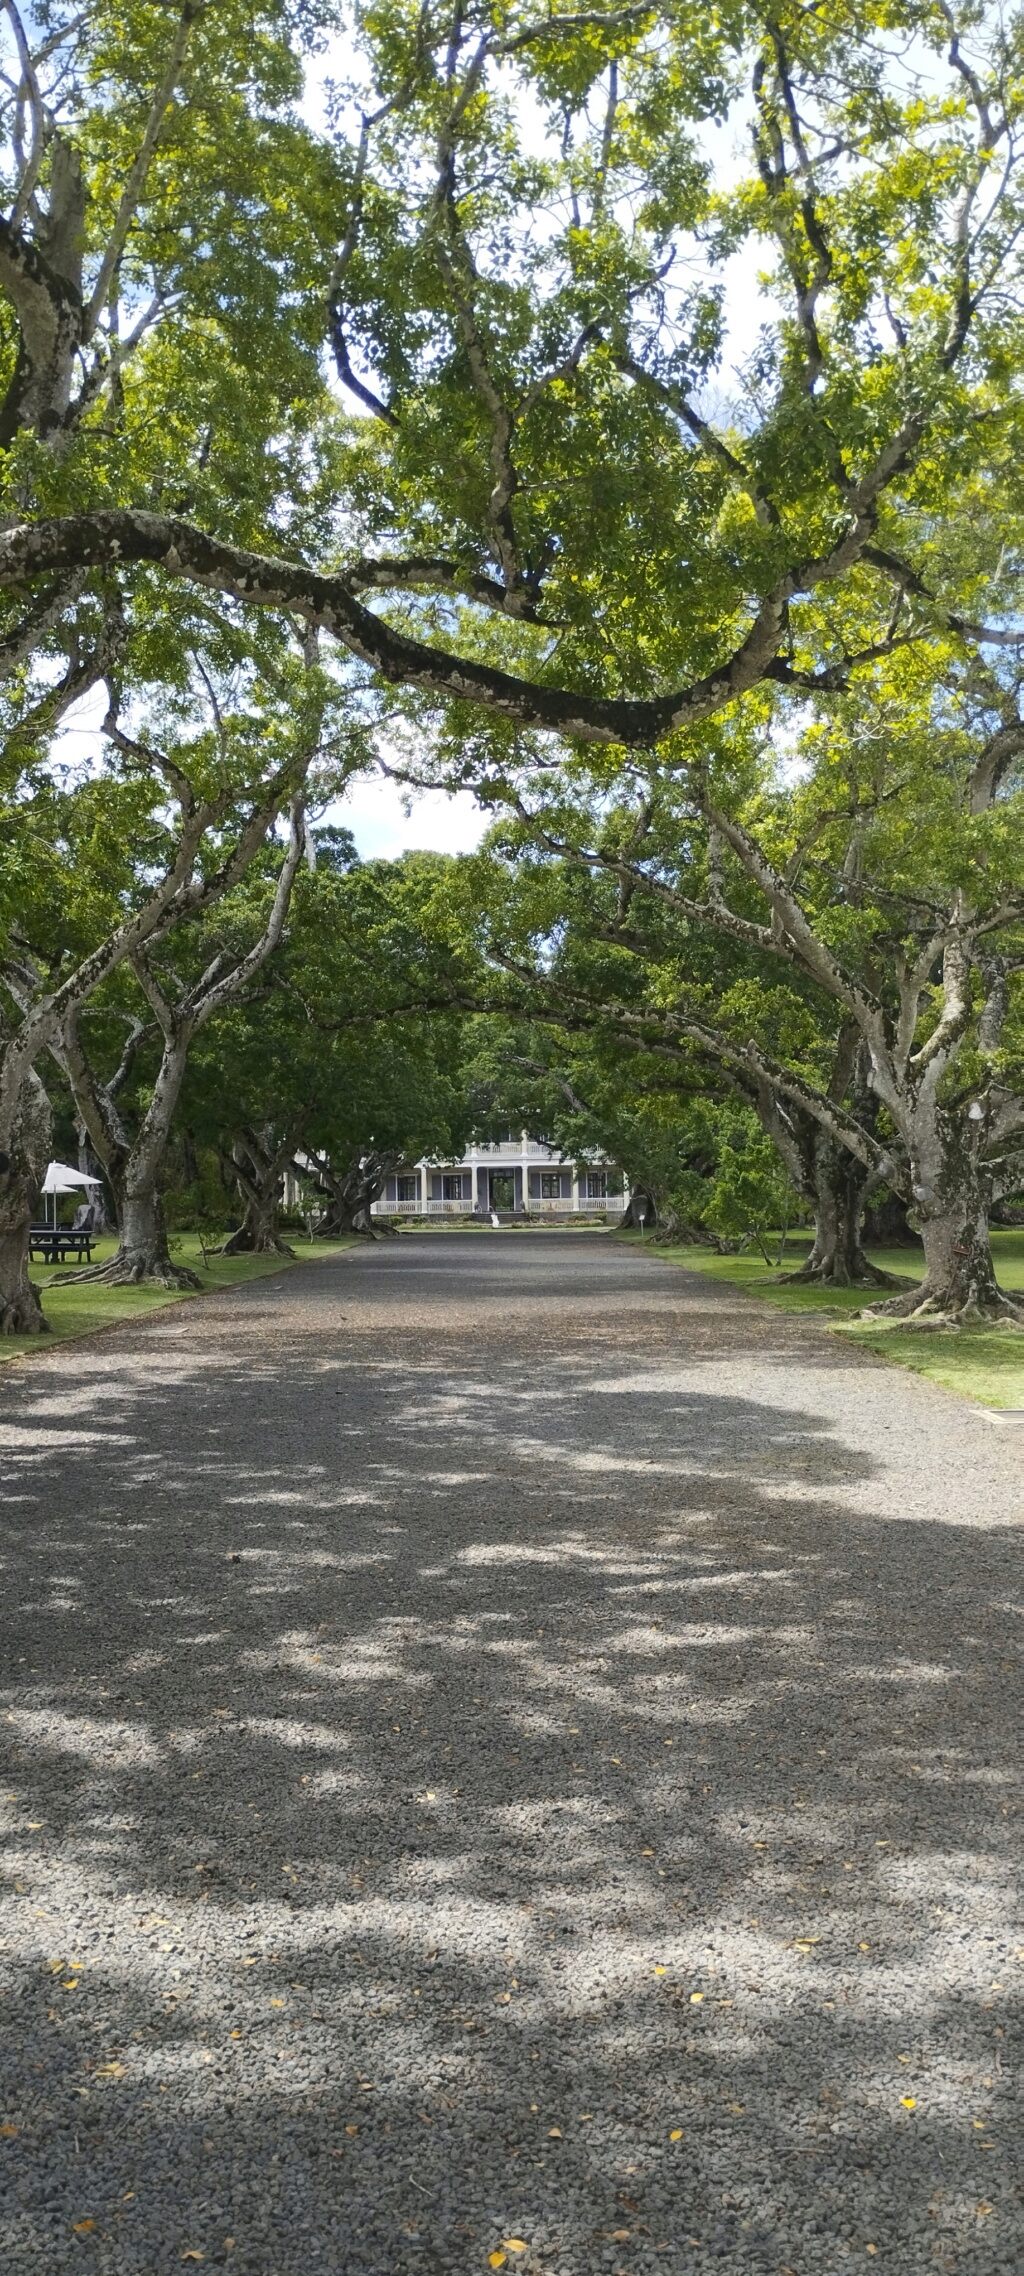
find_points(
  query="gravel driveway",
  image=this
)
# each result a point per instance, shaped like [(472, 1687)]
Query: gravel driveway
[(508, 1747)]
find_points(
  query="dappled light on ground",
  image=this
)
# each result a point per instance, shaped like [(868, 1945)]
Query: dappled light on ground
[(501, 1744)]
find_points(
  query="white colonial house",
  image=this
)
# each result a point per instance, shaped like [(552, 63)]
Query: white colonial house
[(514, 1176)]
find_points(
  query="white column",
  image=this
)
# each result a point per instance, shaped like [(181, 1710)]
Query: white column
[(575, 1186)]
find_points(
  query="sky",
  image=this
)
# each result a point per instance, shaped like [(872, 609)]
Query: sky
[(374, 811)]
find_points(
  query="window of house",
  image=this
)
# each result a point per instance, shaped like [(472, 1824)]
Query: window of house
[(597, 1185), (550, 1185), (408, 1189), (451, 1187)]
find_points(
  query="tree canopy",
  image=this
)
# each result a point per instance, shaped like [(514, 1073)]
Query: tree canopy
[(629, 398)]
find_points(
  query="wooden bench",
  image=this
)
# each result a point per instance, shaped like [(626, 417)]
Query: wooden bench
[(51, 1244)]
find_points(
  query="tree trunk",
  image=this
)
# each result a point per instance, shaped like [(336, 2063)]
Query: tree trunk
[(21, 1313), (256, 1165), (672, 1228), (640, 1199), (258, 1234), (24, 1152), (349, 1213), (351, 1196), (951, 1200), (142, 1251), (133, 1173), (837, 1258)]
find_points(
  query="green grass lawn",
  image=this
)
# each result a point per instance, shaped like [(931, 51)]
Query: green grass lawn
[(80, 1309), (986, 1364)]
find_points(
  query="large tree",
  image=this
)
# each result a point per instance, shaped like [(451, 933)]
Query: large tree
[(865, 889), (618, 947), (611, 532), (145, 245), (103, 860)]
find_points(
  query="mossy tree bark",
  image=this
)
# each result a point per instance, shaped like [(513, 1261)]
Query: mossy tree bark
[(24, 1152)]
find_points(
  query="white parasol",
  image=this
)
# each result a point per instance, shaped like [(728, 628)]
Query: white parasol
[(61, 1178)]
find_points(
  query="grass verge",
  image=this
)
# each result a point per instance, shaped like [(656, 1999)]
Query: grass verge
[(986, 1364), (82, 1307)]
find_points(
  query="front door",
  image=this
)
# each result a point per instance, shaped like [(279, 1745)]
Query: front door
[(503, 1190)]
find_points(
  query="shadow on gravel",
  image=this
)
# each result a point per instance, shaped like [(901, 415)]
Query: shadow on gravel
[(450, 1800)]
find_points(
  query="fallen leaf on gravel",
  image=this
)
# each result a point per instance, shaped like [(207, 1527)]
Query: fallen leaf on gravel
[(984, 2209), (863, 1947), (554, 2133), (806, 1943), (83, 2228), (8, 2132), (277, 2003), (620, 2236), (351, 2129), (111, 2070), (496, 2259), (676, 2135), (872, 2248), (515, 2244), (70, 1984), (695, 1998), (737, 2108), (659, 1971), (908, 2101), (192, 2254)]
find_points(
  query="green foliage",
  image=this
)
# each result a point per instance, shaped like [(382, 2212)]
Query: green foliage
[(332, 1052)]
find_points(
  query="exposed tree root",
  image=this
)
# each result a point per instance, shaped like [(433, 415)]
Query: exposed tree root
[(836, 1273), (245, 1244), (132, 1271), (925, 1307), (674, 1231)]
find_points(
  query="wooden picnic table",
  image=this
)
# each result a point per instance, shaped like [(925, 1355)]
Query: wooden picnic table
[(54, 1244)]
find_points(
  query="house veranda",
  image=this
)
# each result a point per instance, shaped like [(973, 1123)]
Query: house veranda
[(514, 1176)]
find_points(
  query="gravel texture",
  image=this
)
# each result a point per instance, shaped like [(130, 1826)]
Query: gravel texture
[(506, 1744)]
